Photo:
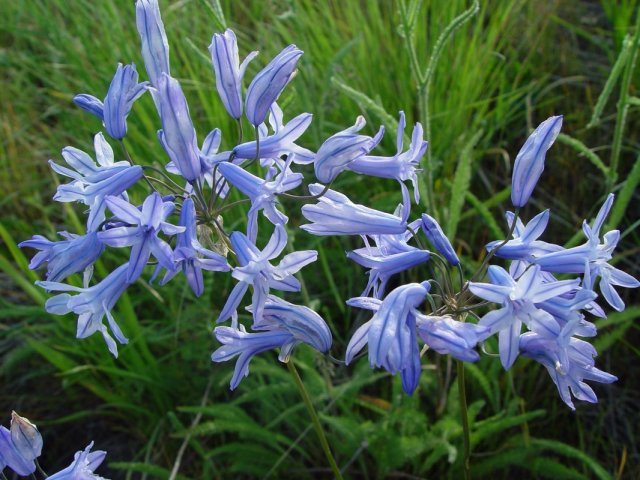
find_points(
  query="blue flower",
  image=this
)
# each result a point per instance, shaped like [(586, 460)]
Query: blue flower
[(591, 259), (12, 457), (209, 158), (254, 269), (91, 304), (178, 137), (269, 83), (529, 162), (391, 255), (569, 362), (448, 336), (237, 341), (93, 182), (402, 166), (341, 149), (280, 143), (190, 256), (525, 244), (262, 193), (25, 437), (335, 214), (391, 333), (123, 91), (155, 47), (84, 463), (566, 309), (282, 325), (302, 322), (518, 299), (438, 239), (142, 235), (228, 70), (65, 257)]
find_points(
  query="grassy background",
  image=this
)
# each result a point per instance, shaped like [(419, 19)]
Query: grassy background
[(506, 69)]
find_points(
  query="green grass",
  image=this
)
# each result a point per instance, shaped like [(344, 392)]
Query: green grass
[(508, 66)]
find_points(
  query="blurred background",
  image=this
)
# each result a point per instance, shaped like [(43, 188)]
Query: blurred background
[(494, 78)]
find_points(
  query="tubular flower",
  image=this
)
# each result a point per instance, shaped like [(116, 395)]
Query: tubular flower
[(518, 299), (525, 244), (84, 463), (65, 257), (256, 270), (591, 259), (283, 325), (529, 162), (402, 166), (142, 235), (262, 193), (448, 336), (123, 91), (12, 457), (302, 322), (569, 362), (269, 83), (391, 333), (335, 214), (228, 70), (436, 236), (25, 437), (155, 47), (178, 137), (280, 143), (93, 182), (91, 304), (340, 150), (391, 255)]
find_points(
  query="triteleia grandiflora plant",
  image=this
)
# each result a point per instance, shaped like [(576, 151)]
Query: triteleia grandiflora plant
[(178, 230)]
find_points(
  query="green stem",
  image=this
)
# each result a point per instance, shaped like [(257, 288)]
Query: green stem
[(623, 107), (130, 160), (309, 197), (40, 470), (463, 294), (424, 88), (314, 419), (465, 421), (167, 177)]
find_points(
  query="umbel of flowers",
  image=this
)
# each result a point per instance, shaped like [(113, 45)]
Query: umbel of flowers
[(532, 313)]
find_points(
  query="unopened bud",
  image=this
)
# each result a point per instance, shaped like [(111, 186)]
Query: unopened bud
[(25, 437)]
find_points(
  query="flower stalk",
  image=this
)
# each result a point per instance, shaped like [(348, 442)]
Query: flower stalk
[(315, 420)]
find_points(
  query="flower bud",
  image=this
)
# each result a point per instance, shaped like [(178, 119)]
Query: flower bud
[(155, 47), (436, 236), (529, 163), (268, 84), (25, 437)]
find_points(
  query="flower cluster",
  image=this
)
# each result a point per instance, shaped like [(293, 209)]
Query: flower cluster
[(21, 445), (178, 227)]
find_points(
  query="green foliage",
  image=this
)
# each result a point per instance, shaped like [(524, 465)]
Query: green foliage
[(475, 74)]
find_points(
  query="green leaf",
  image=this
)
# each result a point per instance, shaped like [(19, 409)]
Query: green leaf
[(580, 147), (620, 321), (621, 61), (367, 103), (624, 196), (218, 14), (460, 186), (154, 471), (489, 428), (572, 452)]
